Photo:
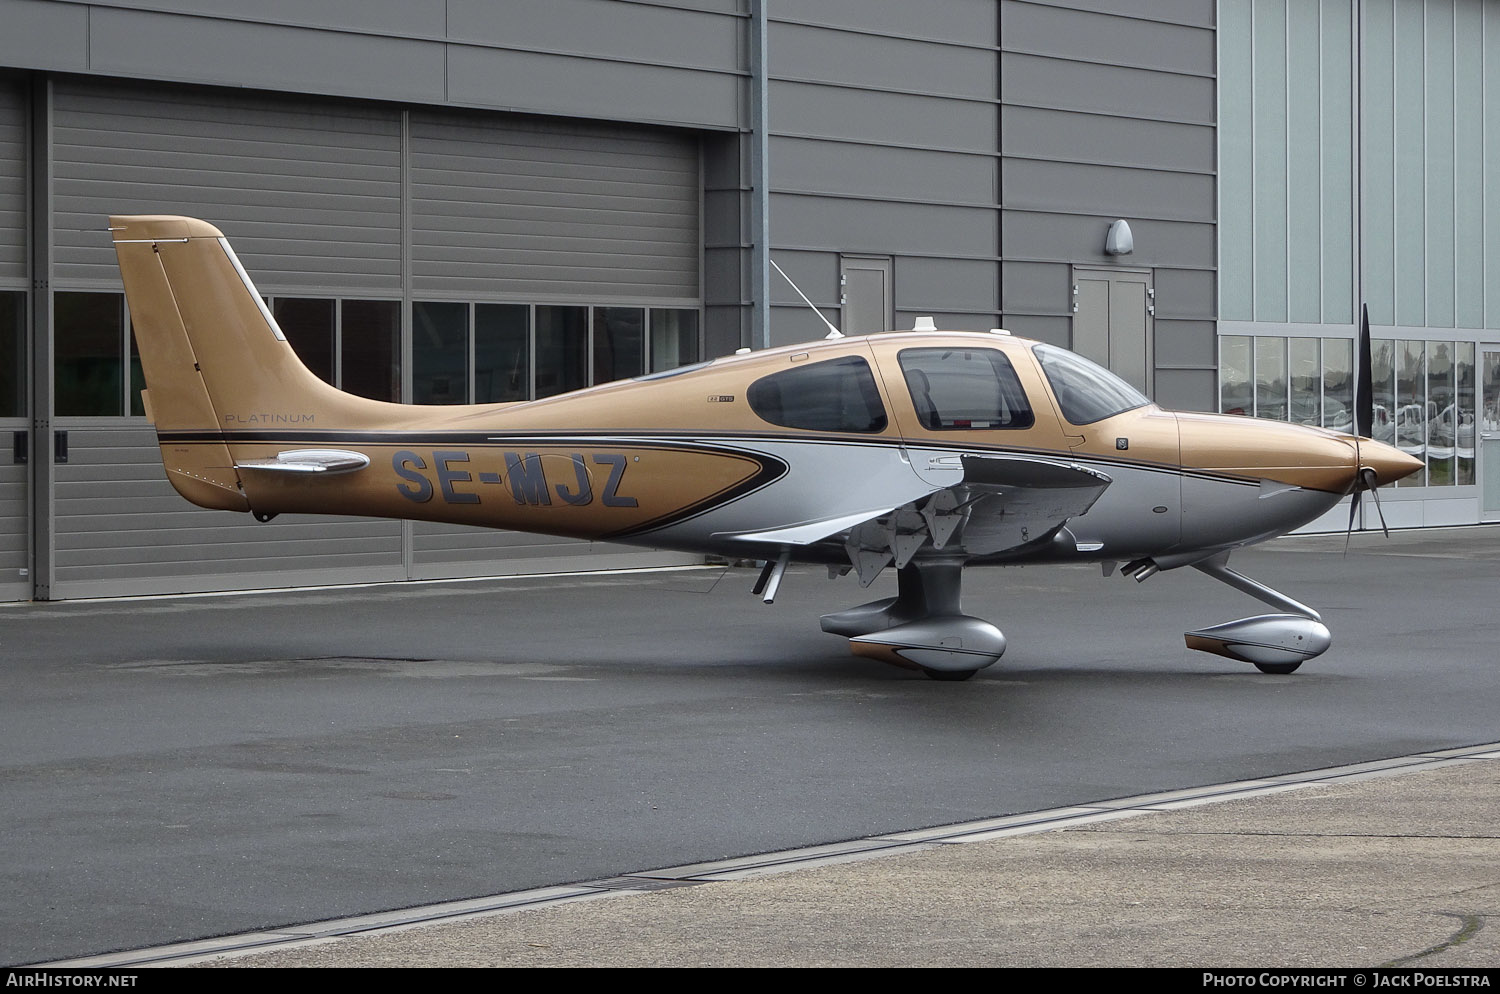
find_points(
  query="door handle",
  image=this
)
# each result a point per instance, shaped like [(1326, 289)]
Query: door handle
[(59, 446), (20, 447)]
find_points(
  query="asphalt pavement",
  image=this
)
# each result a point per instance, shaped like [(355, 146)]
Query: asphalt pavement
[(264, 764)]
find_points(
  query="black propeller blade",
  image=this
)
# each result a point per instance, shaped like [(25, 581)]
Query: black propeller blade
[(1364, 387), (1364, 422)]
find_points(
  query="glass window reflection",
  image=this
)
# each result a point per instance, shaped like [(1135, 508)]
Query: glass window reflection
[(308, 324), (1411, 406), (1442, 415), (440, 353), (1464, 436), (1338, 384), (562, 348), (1236, 390), (1383, 392), (12, 355), (674, 338), (502, 353), (370, 348), (1270, 378), (619, 343), (89, 354), (1305, 376)]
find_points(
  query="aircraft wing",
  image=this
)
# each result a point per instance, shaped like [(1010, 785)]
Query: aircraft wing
[(1012, 501), (1003, 502)]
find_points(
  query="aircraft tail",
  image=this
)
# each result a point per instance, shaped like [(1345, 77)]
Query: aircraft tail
[(214, 359)]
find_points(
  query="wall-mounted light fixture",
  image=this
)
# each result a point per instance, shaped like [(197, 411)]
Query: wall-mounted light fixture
[(1119, 240)]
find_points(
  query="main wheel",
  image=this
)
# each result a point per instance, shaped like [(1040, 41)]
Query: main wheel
[(952, 676), (1278, 667)]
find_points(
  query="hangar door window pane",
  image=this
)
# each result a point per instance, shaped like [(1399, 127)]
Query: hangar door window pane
[(502, 353), (562, 349), (89, 354), (12, 355), (440, 353), (674, 338), (308, 324), (370, 348), (619, 343)]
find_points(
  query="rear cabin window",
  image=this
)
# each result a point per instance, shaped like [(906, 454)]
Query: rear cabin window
[(965, 389), (836, 395)]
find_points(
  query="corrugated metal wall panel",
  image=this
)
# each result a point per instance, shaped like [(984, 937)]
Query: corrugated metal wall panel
[(843, 170), (884, 143), (441, 551), (1103, 89), (15, 526), (647, 33), (12, 182), (15, 523), (663, 62), (1108, 111), (502, 207), (225, 50), (120, 528), (963, 21), (802, 51), (310, 192)]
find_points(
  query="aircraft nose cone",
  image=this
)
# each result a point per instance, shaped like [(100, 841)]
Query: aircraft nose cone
[(1389, 463)]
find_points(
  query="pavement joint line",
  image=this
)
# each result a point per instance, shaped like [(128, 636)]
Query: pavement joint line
[(367, 585), (896, 843)]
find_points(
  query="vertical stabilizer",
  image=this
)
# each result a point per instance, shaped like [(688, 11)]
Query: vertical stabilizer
[(214, 360)]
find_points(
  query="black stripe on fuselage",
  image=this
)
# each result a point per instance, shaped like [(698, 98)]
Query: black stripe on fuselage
[(667, 439)]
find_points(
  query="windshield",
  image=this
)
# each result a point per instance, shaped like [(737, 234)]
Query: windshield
[(1085, 392)]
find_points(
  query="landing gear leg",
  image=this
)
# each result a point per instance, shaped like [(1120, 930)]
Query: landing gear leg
[(1273, 643)]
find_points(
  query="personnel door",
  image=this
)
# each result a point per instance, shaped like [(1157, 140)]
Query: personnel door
[(1113, 314), (865, 295)]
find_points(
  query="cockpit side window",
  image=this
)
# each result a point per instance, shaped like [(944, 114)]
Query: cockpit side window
[(965, 389), (1085, 391), (836, 395)]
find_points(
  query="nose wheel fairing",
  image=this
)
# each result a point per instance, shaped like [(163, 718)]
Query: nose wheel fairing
[(1273, 643)]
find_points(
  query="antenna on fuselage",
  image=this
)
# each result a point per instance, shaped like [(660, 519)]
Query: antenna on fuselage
[(832, 331)]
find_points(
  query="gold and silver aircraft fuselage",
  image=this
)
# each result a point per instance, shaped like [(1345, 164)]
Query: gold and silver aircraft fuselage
[(923, 451)]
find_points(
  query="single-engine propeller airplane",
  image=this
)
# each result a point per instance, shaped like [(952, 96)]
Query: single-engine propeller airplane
[(926, 451)]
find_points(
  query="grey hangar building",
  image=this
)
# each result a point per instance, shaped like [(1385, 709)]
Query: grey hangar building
[(454, 201)]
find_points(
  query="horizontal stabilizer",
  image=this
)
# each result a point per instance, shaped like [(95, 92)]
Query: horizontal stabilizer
[(330, 461)]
